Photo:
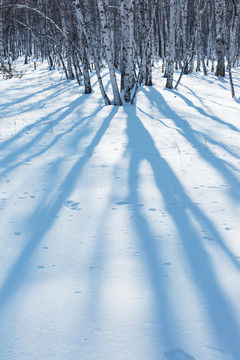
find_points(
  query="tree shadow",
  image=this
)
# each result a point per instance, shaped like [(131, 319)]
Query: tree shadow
[(10, 161), (191, 137), (203, 112), (49, 119), (55, 89), (185, 214), (178, 354), (201, 99), (208, 140), (42, 219), (16, 151)]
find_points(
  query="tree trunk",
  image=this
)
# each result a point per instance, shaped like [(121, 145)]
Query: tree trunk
[(127, 73), (171, 45), (108, 52), (219, 9), (67, 43), (1, 34), (82, 48), (87, 25)]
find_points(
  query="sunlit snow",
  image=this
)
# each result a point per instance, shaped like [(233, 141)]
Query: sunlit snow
[(119, 233)]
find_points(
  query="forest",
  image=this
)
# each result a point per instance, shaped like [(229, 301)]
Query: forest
[(126, 36), (119, 225)]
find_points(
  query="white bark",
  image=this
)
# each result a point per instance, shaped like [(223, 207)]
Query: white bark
[(106, 34), (233, 36), (184, 17), (171, 44), (63, 11), (219, 11), (83, 53), (90, 33), (1, 34), (127, 19)]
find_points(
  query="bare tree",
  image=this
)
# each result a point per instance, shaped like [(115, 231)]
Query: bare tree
[(220, 41), (103, 11), (170, 53)]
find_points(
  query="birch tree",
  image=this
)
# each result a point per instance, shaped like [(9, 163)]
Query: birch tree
[(1, 33), (89, 27), (231, 27), (82, 43), (124, 36), (106, 34), (67, 40), (220, 43), (127, 71), (171, 45)]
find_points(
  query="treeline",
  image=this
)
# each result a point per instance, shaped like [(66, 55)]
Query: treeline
[(128, 36)]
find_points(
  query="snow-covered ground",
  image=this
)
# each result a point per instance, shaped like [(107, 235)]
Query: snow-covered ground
[(119, 226)]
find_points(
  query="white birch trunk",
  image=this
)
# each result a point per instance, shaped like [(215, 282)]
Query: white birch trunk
[(123, 45), (148, 19), (185, 48), (233, 36), (198, 36), (83, 54), (127, 81), (171, 45), (161, 21), (219, 11), (1, 35), (63, 11), (90, 33), (108, 52)]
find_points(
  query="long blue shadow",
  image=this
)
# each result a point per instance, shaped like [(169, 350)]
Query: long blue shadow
[(191, 136), (207, 138), (58, 89), (204, 113), (181, 209), (43, 218), (10, 162)]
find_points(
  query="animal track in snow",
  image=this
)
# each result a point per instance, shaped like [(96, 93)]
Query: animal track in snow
[(72, 205), (123, 202)]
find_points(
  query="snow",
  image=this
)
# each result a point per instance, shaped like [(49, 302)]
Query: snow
[(119, 227)]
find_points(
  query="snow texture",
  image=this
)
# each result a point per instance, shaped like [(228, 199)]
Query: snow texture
[(119, 233)]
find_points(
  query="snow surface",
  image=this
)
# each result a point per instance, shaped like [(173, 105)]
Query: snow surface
[(119, 233)]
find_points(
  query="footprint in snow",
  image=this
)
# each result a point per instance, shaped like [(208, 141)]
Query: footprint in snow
[(123, 202), (72, 205)]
